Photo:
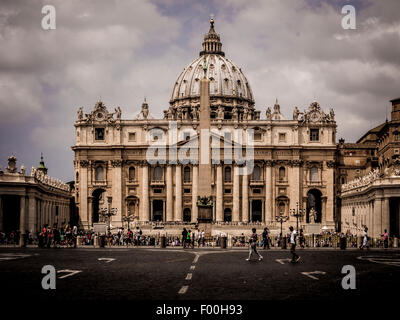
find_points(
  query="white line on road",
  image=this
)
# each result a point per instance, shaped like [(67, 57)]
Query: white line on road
[(12, 256), (196, 258), (107, 260), (183, 290), (281, 261), (189, 276), (70, 273), (192, 267), (309, 274)]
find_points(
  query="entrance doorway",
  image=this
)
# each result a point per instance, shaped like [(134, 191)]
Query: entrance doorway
[(227, 215), (187, 216), (158, 210), (99, 202), (314, 202), (11, 213), (256, 211)]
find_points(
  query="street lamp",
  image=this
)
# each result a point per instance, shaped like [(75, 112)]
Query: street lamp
[(128, 218), (297, 213), (108, 212), (281, 218)]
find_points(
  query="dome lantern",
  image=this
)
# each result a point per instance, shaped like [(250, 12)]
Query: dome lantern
[(212, 42)]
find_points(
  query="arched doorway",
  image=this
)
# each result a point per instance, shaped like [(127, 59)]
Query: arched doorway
[(158, 212), (187, 216), (132, 207), (227, 215), (99, 202), (256, 211), (11, 213), (314, 200)]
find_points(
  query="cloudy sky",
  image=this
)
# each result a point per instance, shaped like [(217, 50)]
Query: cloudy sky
[(121, 51)]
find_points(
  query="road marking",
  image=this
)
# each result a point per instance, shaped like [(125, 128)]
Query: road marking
[(69, 273), (183, 290), (189, 276), (388, 260), (196, 258), (107, 260), (281, 261), (12, 256), (309, 274), (192, 267)]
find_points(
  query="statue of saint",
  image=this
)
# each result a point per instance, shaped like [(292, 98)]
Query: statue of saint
[(118, 112), (268, 113), (296, 113), (313, 215), (80, 113)]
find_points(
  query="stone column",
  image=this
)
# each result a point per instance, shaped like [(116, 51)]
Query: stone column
[(195, 211), (32, 214), (378, 217), (245, 197), (83, 194), (236, 195), (170, 200), (90, 208), (1, 213), (117, 190), (220, 195), (268, 193), (386, 214), (145, 194), (178, 193), (22, 218)]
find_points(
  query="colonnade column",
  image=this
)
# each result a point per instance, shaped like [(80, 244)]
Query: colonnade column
[(245, 196), (170, 213), (378, 217), (1, 213), (236, 194), (22, 219), (178, 193), (386, 214), (32, 214), (219, 208), (195, 210), (268, 193), (145, 193), (90, 210)]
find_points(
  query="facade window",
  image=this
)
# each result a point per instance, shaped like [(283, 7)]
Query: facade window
[(282, 173), (396, 136), (257, 173), (157, 174), (282, 137), (281, 208), (131, 173), (99, 174), (99, 133), (132, 136), (314, 134), (227, 136), (228, 174), (186, 174), (77, 176), (314, 174)]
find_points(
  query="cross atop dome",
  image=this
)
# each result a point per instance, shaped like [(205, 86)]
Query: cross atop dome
[(212, 42)]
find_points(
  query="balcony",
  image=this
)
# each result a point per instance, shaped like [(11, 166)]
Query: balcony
[(256, 183), (157, 183)]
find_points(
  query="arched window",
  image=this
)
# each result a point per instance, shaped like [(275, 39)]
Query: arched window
[(131, 173), (257, 173), (281, 208), (99, 174), (282, 173), (314, 174), (157, 173), (186, 174), (77, 176), (228, 175)]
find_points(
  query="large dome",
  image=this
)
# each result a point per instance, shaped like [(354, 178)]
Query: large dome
[(229, 88), (226, 79)]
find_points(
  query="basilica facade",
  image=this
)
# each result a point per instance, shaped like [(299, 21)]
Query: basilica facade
[(140, 169)]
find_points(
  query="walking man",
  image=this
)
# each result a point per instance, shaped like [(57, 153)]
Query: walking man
[(385, 238), (253, 245), (365, 243), (293, 235), (184, 235), (265, 238)]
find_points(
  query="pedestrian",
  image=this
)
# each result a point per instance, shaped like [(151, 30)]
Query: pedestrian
[(301, 238), (385, 238), (293, 235), (188, 239), (365, 243), (199, 238), (265, 238), (253, 245), (184, 236)]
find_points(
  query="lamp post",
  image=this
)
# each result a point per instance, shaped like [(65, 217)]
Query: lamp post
[(297, 213), (281, 218), (128, 218), (108, 212)]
